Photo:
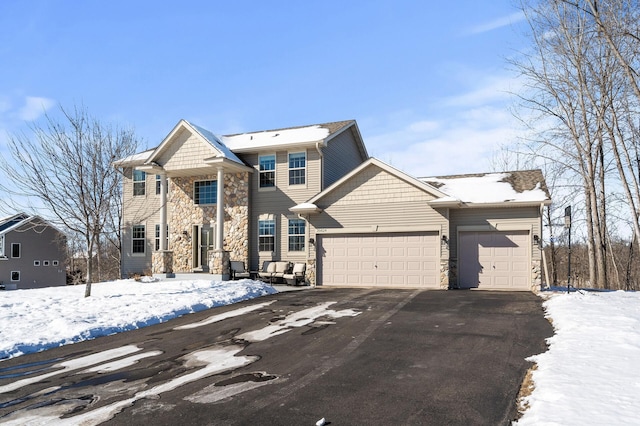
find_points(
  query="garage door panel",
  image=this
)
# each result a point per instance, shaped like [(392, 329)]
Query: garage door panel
[(494, 260), (394, 259)]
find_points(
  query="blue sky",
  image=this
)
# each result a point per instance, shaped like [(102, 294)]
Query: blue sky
[(426, 81)]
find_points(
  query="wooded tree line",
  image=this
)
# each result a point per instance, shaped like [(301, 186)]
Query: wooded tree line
[(581, 101)]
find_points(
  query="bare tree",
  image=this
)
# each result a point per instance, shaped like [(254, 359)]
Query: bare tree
[(65, 164), (575, 84)]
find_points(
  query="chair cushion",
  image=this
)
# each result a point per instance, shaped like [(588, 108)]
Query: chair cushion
[(299, 268), (237, 266), (281, 267), (271, 267)]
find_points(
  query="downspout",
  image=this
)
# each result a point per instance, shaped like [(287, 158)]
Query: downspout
[(321, 165)]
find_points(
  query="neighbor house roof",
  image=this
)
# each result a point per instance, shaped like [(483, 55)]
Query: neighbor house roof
[(17, 220), (514, 187)]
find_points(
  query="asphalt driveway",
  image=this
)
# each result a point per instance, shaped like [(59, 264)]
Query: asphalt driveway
[(352, 356)]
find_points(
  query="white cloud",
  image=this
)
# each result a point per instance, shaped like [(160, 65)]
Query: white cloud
[(34, 108), (458, 134), (498, 23)]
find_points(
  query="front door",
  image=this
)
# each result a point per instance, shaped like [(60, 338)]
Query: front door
[(202, 245)]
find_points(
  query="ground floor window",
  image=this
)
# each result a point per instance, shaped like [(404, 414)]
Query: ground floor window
[(138, 239), (266, 235), (296, 234), (15, 275), (166, 234)]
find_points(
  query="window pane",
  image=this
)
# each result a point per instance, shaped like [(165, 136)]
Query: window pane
[(15, 250), (296, 234), (138, 239), (297, 168), (205, 192), (267, 171), (266, 235), (139, 178)]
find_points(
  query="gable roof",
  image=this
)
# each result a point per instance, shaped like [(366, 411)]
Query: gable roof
[(289, 136), (227, 146), (17, 220), (204, 134), (514, 187), (311, 207)]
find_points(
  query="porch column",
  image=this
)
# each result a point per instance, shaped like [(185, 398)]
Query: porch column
[(163, 212), (220, 211)]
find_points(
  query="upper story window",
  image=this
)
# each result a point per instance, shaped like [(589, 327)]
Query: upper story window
[(205, 191), (296, 234), (266, 235), (15, 250), (138, 239), (297, 168), (267, 171), (139, 181), (2, 246)]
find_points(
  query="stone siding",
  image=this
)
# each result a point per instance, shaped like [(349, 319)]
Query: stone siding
[(183, 213)]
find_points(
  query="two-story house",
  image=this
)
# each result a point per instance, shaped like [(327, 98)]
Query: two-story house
[(312, 194), (32, 253)]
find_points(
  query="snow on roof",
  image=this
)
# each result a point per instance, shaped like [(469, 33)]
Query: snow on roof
[(139, 157), (276, 137), (487, 188), (215, 141)]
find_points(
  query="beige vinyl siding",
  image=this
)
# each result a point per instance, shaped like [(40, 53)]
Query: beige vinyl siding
[(375, 201), (139, 210), (341, 155), (502, 219), (278, 201), (187, 152)]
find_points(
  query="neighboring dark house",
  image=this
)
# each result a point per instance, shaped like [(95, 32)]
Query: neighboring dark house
[(32, 253)]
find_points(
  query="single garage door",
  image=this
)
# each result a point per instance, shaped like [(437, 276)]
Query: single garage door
[(390, 259), (494, 260)]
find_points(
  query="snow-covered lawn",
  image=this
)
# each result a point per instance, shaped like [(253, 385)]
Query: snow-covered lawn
[(34, 320), (589, 376), (591, 373)]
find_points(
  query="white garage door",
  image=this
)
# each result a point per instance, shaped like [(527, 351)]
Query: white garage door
[(494, 260), (393, 259)]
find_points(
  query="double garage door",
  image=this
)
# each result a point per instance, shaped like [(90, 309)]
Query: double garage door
[(389, 259), (494, 260)]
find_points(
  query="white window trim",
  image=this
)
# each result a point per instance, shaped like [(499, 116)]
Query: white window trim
[(306, 166), (275, 173), (271, 217), (144, 252), (19, 250), (55, 263), (194, 192), (15, 272), (45, 263), (144, 181), (36, 263), (304, 241)]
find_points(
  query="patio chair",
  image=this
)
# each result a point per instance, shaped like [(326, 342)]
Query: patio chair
[(297, 274), (238, 270)]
